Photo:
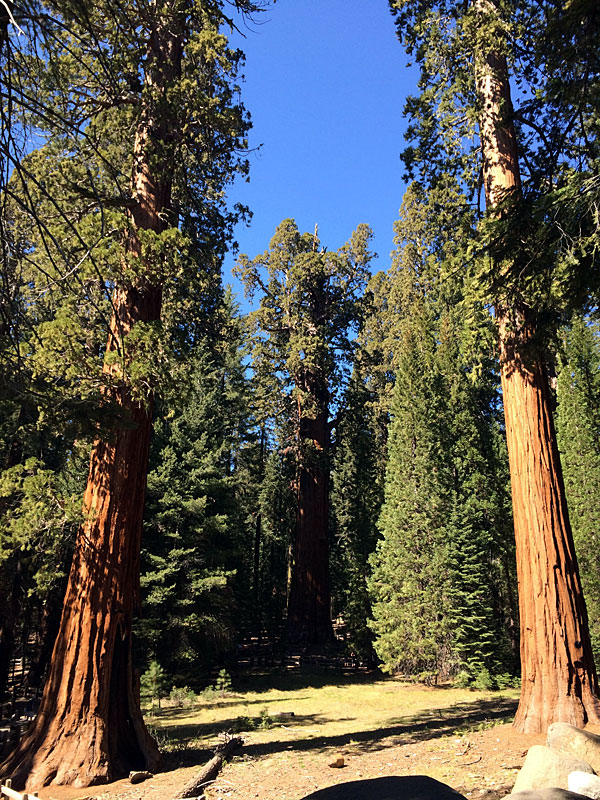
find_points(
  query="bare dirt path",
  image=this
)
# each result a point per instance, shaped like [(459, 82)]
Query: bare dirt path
[(480, 764)]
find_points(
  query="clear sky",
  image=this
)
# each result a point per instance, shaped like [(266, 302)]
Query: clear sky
[(325, 84)]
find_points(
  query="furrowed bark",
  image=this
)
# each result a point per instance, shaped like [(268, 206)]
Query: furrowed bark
[(559, 681), (89, 728), (309, 617)]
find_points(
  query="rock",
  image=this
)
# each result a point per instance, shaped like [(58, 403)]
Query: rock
[(580, 744), (546, 767), (584, 783), (338, 762), (410, 787), (139, 777), (553, 793)]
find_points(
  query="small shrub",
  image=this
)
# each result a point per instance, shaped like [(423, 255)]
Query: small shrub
[(222, 687), (161, 737), (209, 694), (508, 681), (182, 696), (462, 680), (243, 723), (153, 683), (265, 719), (223, 684), (427, 678), (483, 680)]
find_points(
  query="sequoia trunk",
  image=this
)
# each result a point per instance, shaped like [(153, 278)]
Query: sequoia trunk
[(558, 678), (559, 682), (309, 617), (89, 728)]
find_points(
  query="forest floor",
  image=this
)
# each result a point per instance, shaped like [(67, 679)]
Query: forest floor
[(295, 726)]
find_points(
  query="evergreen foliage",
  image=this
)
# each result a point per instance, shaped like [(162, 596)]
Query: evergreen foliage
[(440, 594), (578, 430), (82, 81), (356, 497), (196, 554), (310, 302), (401, 364), (409, 583), (546, 236)]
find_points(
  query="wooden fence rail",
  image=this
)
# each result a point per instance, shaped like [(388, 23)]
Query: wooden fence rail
[(7, 791)]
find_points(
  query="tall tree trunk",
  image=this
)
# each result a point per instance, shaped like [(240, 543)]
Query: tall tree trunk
[(11, 601), (5, 12), (89, 728), (257, 611), (48, 631), (309, 616), (559, 682)]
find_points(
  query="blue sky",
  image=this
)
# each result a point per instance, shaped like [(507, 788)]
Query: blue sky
[(325, 84)]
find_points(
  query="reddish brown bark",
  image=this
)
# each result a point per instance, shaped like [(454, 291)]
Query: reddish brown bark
[(559, 682), (89, 728), (558, 678), (309, 614)]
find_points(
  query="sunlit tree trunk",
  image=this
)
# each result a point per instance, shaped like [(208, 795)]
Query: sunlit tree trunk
[(559, 682), (90, 728)]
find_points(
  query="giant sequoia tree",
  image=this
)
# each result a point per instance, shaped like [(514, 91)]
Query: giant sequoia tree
[(528, 177), (162, 74), (309, 303)]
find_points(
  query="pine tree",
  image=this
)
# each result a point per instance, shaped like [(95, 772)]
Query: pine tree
[(439, 571), (480, 551), (195, 529), (578, 430), (409, 583), (356, 497)]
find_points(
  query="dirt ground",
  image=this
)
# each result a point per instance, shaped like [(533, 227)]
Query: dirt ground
[(480, 764)]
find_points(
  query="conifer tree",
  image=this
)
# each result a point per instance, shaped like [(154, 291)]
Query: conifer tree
[(537, 177), (578, 430), (309, 305), (164, 73), (409, 582), (439, 570), (195, 559), (356, 497)]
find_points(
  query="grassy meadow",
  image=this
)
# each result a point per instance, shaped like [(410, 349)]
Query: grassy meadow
[(314, 711)]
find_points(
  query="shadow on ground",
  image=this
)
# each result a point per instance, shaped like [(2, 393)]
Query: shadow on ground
[(307, 678), (243, 724), (174, 712), (415, 787), (460, 718)]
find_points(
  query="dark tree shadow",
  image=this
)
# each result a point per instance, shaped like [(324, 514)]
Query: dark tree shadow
[(397, 731), (410, 787), (304, 678)]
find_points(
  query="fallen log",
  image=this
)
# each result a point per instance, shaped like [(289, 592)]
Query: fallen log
[(212, 768)]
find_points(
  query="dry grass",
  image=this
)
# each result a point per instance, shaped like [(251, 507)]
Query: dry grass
[(296, 725), (317, 710)]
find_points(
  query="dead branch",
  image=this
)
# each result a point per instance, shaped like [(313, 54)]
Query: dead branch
[(211, 769)]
